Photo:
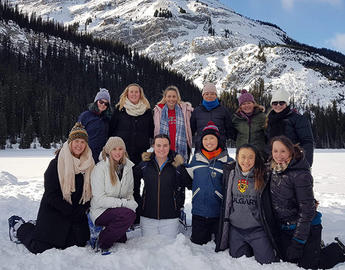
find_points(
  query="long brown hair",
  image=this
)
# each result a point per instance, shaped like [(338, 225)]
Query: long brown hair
[(295, 150), (259, 166)]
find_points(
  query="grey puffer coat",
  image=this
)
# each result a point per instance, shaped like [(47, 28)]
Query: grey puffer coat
[(293, 198)]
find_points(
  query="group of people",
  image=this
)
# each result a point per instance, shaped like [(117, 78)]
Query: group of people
[(262, 203)]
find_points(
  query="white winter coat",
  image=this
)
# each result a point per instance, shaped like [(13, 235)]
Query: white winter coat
[(105, 195)]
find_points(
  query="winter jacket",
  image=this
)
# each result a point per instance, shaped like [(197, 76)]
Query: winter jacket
[(187, 110), (293, 198), (58, 222), (219, 115), (264, 207), (105, 195), (252, 131), (136, 131), (295, 126), (164, 191), (97, 127), (207, 183)]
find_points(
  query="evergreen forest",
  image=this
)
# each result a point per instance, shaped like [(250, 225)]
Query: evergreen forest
[(47, 83)]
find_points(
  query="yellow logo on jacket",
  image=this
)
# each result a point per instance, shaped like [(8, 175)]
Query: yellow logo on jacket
[(242, 185)]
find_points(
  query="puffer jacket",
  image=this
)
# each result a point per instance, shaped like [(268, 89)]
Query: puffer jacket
[(164, 191), (219, 115), (264, 206), (297, 128), (97, 127), (207, 183), (293, 198), (252, 131), (105, 195)]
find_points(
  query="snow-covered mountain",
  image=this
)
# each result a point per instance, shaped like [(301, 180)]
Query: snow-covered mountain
[(203, 40)]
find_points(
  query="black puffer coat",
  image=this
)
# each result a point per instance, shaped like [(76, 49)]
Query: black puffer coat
[(136, 131), (265, 211), (58, 222), (219, 115), (164, 191), (293, 198), (294, 126)]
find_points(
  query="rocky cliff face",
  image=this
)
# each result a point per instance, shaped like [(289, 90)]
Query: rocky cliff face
[(203, 40)]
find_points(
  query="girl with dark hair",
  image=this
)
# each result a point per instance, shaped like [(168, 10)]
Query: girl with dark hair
[(294, 207), (246, 221), (96, 122), (164, 189)]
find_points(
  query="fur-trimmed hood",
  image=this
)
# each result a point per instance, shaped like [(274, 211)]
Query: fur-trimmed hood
[(257, 108), (175, 159)]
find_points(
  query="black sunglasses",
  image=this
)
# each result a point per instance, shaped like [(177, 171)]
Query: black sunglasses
[(281, 103), (103, 102)]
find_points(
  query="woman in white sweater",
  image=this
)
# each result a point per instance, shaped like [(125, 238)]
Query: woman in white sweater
[(112, 204)]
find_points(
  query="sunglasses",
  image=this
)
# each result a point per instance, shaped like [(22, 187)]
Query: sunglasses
[(281, 103), (103, 102)]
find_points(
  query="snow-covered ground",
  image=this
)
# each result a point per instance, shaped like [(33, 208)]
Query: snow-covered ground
[(21, 188)]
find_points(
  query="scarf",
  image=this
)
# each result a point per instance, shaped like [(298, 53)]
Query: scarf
[(210, 105), (246, 116), (181, 137), (135, 109), (213, 154), (68, 166), (276, 122), (279, 167)]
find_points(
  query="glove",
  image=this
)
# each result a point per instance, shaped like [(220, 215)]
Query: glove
[(295, 251)]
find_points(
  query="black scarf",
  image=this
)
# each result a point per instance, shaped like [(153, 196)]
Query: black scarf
[(276, 123)]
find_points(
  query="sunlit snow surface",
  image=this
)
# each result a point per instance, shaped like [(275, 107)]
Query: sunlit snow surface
[(21, 188)]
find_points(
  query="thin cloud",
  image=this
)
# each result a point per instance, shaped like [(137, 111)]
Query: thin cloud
[(338, 42), (289, 4)]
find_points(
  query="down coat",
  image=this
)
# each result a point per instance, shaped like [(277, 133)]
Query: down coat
[(293, 198), (164, 191), (105, 195)]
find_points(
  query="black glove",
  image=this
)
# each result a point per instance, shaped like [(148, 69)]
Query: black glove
[(295, 251)]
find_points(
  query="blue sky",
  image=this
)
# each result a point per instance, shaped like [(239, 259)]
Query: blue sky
[(319, 23)]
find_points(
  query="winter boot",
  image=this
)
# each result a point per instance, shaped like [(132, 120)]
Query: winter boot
[(94, 233), (14, 222)]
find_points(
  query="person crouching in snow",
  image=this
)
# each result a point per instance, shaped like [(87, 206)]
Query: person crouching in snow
[(113, 205), (247, 220), (206, 170), (61, 220), (164, 189)]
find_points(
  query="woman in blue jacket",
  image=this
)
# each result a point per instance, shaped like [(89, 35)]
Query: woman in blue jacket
[(96, 122)]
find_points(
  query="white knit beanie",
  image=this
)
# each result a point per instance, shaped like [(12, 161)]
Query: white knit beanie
[(281, 95)]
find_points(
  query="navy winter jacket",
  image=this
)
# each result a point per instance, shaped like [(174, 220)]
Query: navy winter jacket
[(97, 127), (207, 184), (219, 115)]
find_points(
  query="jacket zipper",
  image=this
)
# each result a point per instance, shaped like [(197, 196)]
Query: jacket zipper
[(158, 198)]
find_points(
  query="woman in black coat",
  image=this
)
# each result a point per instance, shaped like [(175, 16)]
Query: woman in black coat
[(61, 220), (294, 207), (132, 120), (282, 120)]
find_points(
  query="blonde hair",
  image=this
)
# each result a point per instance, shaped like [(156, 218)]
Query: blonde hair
[(113, 165), (124, 94), (170, 88)]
